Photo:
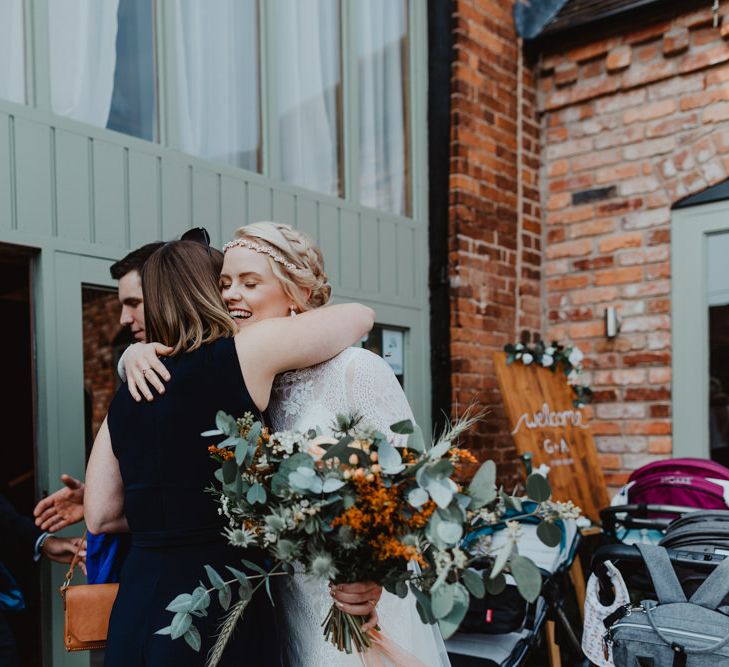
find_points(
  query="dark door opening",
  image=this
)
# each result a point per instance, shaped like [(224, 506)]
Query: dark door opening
[(18, 469)]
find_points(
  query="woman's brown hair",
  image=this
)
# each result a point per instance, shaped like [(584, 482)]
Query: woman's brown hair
[(182, 303)]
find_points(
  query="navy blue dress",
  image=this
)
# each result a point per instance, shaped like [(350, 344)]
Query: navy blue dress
[(175, 526)]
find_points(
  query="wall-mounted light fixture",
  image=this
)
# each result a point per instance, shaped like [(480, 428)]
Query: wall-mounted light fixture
[(612, 325)]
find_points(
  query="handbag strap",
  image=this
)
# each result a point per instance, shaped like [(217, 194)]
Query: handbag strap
[(666, 584), (715, 587), (74, 561)]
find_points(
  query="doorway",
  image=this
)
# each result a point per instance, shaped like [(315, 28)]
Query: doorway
[(18, 472)]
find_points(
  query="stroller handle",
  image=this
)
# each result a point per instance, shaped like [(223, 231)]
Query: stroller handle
[(629, 553), (636, 516)]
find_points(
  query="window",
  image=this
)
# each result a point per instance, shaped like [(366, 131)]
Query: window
[(102, 64), (218, 114), (12, 60), (308, 93)]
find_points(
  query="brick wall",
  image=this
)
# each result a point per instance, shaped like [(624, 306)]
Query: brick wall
[(494, 216), (630, 124)]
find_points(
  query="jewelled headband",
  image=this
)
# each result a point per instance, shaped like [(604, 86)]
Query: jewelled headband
[(266, 250)]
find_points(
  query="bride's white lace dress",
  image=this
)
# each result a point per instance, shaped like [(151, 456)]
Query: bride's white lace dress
[(355, 381)]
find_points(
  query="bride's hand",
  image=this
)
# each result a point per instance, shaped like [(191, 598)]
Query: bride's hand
[(142, 366), (358, 599)]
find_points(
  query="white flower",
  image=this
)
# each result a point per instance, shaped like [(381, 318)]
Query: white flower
[(519, 346), (514, 530), (442, 562), (323, 566), (573, 377), (547, 360), (550, 351), (459, 558), (240, 537), (576, 356), (527, 359)]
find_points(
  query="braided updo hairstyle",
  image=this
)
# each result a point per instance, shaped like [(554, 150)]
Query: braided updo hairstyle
[(300, 250)]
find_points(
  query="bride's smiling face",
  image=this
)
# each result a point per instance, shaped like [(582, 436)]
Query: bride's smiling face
[(250, 289)]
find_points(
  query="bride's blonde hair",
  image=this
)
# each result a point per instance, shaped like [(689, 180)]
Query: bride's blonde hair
[(295, 248)]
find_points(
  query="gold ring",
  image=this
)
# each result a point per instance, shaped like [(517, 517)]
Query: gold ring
[(144, 371), (373, 602)]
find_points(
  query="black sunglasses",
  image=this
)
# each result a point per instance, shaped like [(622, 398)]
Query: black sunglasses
[(199, 235)]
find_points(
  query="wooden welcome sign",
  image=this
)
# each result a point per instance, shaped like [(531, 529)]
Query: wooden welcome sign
[(544, 422)]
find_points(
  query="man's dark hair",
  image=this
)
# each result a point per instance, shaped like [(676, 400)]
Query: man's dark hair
[(134, 260)]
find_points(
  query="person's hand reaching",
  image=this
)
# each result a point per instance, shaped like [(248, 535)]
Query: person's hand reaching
[(62, 508)]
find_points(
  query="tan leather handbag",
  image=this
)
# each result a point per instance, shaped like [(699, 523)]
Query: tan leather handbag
[(86, 611)]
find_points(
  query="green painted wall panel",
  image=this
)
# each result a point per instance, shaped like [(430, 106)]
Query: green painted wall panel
[(73, 193), (144, 199), (350, 249), (388, 257), (33, 168), (329, 241), (110, 194), (233, 203), (406, 262), (370, 245), (307, 216), (284, 207), (177, 194), (6, 169), (206, 203), (259, 202)]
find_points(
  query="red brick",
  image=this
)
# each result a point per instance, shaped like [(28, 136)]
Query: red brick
[(675, 41), (565, 73), (570, 249), (631, 274), (648, 428), (628, 240), (618, 58), (592, 228), (660, 445), (650, 111)]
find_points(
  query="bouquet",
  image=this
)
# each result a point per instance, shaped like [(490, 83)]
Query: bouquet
[(354, 507)]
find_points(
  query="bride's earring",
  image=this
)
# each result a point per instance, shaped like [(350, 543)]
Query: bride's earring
[(292, 311)]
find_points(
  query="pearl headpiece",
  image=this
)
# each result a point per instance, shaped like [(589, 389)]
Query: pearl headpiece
[(266, 250)]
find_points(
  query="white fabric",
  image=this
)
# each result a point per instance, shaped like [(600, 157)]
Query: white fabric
[(12, 61), (82, 43), (382, 54), (593, 633), (308, 76), (354, 381), (217, 80)]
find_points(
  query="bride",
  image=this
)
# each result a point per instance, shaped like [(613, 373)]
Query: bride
[(273, 270)]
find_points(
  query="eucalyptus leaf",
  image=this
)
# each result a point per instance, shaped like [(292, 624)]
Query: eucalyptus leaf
[(164, 631), (256, 494), (416, 441), (549, 533), (450, 623), (245, 593), (253, 566), (482, 487), (192, 637), (224, 597), (417, 497), (404, 427), (254, 434), (200, 599), (441, 491), (215, 579), (226, 423), (181, 622), (496, 585), (332, 484), (527, 576), (450, 532), (401, 589), (230, 471), (474, 583), (422, 604), (501, 558), (537, 487), (219, 475), (439, 449), (241, 577), (389, 459), (182, 603), (442, 599)]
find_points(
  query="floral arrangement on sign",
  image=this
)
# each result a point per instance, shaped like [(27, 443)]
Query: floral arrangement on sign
[(554, 356), (357, 508)]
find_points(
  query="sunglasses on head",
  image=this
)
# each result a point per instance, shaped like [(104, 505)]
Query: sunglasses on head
[(199, 235)]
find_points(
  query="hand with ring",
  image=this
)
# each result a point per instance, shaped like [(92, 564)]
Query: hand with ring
[(359, 599), (144, 368)]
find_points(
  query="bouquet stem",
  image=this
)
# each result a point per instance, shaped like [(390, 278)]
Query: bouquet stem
[(345, 631)]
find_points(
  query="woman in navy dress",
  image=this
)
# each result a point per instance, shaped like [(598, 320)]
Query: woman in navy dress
[(149, 466)]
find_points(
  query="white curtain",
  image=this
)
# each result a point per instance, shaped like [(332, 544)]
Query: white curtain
[(82, 36), (382, 27), (308, 76), (217, 80), (12, 61)]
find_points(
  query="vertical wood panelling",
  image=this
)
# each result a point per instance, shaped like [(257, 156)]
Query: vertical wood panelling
[(306, 217), (205, 203), (284, 207), (369, 242), (144, 199), (350, 250), (33, 177), (233, 202), (110, 205), (405, 262), (259, 202), (388, 257), (329, 241), (73, 196), (176, 198), (6, 192)]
